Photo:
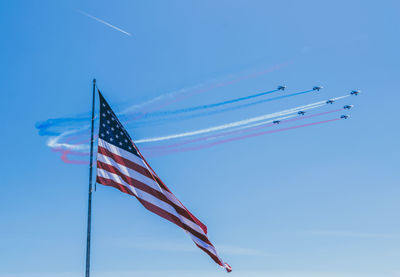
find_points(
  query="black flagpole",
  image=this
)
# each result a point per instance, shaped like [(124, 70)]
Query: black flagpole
[(89, 218)]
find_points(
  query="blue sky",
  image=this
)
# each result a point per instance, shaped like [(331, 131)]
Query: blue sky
[(318, 201)]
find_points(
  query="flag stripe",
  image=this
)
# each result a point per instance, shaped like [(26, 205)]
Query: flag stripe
[(113, 152), (125, 162), (130, 159), (155, 209), (143, 187)]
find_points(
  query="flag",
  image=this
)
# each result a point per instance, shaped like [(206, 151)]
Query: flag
[(121, 165)]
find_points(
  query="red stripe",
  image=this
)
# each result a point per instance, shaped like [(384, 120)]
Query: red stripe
[(125, 162), (153, 208), (215, 258), (135, 183)]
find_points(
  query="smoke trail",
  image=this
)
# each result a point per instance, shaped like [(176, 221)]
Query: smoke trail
[(210, 87), (208, 106), (254, 127), (208, 145), (53, 142), (208, 113), (64, 158), (237, 123), (69, 122)]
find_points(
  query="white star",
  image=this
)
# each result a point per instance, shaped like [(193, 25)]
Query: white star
[(104, 114), (102, 134), (120, 143), (122, 133), (107, 132), (130, 148), (116, 136), (108, 111), (126, 140), (112, 118), (108, 121), (111, 139), (112, 128), (117, 126), (104, 105), (104, 125)]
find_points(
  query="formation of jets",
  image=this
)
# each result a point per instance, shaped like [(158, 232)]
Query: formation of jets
[(330, 101)]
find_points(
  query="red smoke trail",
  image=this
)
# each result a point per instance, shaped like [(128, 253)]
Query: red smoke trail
[(65, 153), (163, 147), (208, 145)]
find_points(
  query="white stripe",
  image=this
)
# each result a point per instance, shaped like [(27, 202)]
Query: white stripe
[(204, 245), (121, 152), (139, 177), (149, 198)]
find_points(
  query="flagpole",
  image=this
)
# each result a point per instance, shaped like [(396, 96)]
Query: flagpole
[(89, 218)]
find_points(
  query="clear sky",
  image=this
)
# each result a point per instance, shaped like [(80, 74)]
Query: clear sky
[(321, 201)]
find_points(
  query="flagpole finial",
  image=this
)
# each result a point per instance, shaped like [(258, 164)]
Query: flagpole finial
[(94, 80)]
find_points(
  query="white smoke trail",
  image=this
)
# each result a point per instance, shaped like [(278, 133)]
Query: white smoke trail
[(239, 123), (53, 142)]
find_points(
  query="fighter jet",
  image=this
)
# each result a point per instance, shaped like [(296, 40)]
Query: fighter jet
[(276, 121), (301, 113), (317, 88), (355, 92), (330, 101), (348, 107), (281, 88), (345, 116)]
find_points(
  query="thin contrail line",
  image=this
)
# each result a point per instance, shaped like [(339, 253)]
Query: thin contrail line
[(104, 22)]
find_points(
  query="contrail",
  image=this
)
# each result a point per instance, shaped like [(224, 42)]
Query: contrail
[(237, 123), (53, 142), (208, 113), (208, 145), (244, 129), (208, 106), (104, 22)]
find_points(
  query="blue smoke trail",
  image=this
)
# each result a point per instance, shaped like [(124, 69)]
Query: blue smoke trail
[(208, 113), (208, 106), (50, 126)]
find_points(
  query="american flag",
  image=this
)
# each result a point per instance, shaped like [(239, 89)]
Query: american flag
[(121, 165)]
